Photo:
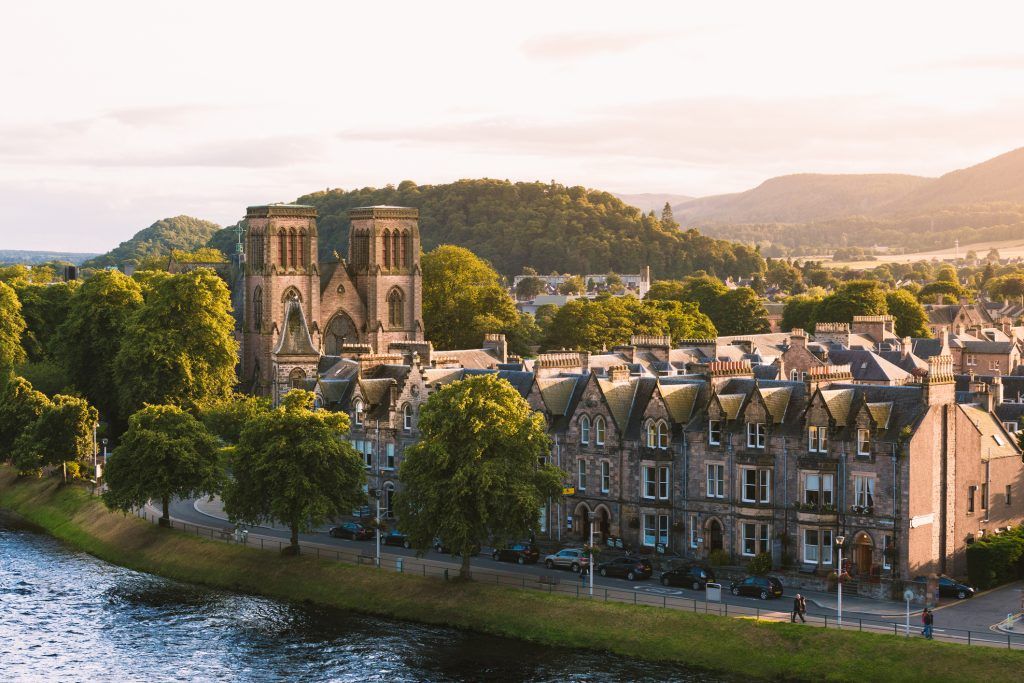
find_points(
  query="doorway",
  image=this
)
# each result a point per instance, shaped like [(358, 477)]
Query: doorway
[(714, 539)]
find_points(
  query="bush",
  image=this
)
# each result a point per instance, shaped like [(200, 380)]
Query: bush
[(760, 565), (996, 559), (718, 557)]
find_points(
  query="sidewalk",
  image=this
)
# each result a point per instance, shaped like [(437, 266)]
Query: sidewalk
[(215, 509), (856, 603)]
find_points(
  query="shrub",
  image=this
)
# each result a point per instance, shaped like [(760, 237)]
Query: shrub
[(996, 559), (718, 557), (761, 564)]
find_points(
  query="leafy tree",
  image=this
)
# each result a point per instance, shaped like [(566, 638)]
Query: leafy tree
[(529, 287), (707, 291), (165, 453), (608, 321), (799, 312), (572, 285), (292, 466), (992, 256), (946, 273), (668, 221), (784, 276), (44, 307), (684, 320), (614, 284), (179, 347), (525, 335), (226, 416), (1007, 287), (857, 297), (62, 433), (463, 299), (545, 315), (911, 319), (91, 337), (181, 232), (20, 406), (474, 476), (666, 290), (746, 313), (940, 289), (12, 324)]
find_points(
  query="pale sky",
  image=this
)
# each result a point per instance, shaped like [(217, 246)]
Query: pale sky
[(117, 114)]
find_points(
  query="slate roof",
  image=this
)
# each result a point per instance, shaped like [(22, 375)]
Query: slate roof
[(985, 346), (908, 362), (680, 399), (838, 402), (295, 339), (776, 399), (619, 396), (472, 359), (868, 366), (555, 392), (645, 388), (880, 413), (995, 442), (731, 404)]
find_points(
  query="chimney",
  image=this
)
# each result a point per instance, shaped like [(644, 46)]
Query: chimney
[(838, 333), (657, 346), (823, 375), (551, 364), (497, 344), (798, 338), (939, 384), (996, 389), (618, 373), (905, 346)]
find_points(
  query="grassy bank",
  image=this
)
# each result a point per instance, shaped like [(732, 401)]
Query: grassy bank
[(763, 650)]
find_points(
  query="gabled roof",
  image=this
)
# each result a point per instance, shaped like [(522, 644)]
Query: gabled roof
[(838, 402), (555, 392), (880, 413), (645, 390), (295, 339), (619, 397), (995, 442), (679, 399), (731, 404), (868, 366), (776, 400)]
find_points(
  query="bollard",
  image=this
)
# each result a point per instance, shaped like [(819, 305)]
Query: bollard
[(399, 565), (445, 574)]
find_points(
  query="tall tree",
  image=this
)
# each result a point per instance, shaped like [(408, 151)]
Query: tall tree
[(940, 290), (474, 476), (911, 319), (292, 466), (62, 433), (529, 287), (463, 299), (668, 220), (1006, 287), (179, 346), (799, 312), (165, 453), (226, 416), (44, 307), (92, 335), (12, 325), (857, 297), (20, 406), (572, 285), (746, 314)]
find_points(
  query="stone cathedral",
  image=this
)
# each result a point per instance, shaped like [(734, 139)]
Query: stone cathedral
[(298, 308)]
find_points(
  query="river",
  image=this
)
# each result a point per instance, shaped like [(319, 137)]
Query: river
[(67, 616)]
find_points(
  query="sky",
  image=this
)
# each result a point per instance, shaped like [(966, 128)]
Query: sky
[(118, 114)]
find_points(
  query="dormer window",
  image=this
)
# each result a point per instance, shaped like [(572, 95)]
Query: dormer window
[(357, 412), (599, 430), (662, 435), (714, 432), (657, 435), (756, 434), (584, 430), (817, 439), (863, 442)]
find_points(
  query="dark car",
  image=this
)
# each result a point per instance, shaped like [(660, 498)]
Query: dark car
[(763, 587), (692, 576), (632, 568), (441, 547), (395, 537), (521, 553), (951, 588), (352, 530)]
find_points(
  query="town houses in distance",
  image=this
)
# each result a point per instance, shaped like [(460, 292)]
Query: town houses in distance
[(773, 443)]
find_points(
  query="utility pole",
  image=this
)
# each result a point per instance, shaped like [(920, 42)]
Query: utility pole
[(839, 582), (591, 522)]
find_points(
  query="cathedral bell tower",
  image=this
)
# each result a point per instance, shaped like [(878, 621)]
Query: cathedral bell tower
[(384, 264)]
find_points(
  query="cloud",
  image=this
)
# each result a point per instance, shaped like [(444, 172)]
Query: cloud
[(567, 46), (976, 62), (267, 152), (167, 115)]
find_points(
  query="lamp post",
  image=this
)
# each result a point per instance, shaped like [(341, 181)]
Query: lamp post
[(839, 577), (375, 492), (591, 582)]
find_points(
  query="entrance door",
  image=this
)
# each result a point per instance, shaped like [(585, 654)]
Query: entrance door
[(714, 535)]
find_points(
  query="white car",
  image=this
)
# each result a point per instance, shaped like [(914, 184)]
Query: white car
[(568, 558)]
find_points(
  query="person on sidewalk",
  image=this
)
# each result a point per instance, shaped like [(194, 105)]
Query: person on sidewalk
[(799, 607), (927, 618)]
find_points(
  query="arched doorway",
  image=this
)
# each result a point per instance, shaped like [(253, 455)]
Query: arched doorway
[(296, 377), (581, 522), (713, 535), (341, 330), (863, 548), (604, 523)]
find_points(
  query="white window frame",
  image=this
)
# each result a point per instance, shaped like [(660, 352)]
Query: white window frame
[(663, 436), (581, 474), (970, 359), (599, 427), (357, 412), (715, 432), (649, 482), (663, 530), (762, 484), (821, 483), (585, 430), (664, 479), (606, 476), (716, 480), (864, 490), (694, 531), (649, 531), (407, 418), (993, 365), (794, 376), (817, 439), (756, 435), (1011, 427), (819, 552), (863, 441), (652, 435), (389, 456), (758, 540)]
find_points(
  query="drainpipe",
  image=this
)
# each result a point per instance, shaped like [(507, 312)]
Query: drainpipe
[(558, 509), (987, 497), (785, 490)]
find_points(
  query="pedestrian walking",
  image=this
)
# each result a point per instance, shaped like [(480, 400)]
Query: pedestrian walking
[(583, 577), (799, 607), (927, 618)]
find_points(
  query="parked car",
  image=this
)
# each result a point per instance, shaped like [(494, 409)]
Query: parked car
[(951, 588), (520, 553), (395, 537), (441, 547), (763, 587), (573, 559), (691, 576), (352, 530), (629, 567)]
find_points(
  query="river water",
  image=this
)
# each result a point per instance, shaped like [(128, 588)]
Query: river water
[(67, 616)]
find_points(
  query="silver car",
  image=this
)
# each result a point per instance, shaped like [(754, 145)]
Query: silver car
[(569, 558)]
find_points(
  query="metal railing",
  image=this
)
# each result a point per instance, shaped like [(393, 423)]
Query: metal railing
[(575, 588)]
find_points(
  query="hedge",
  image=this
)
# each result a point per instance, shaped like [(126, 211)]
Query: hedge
[(996, 559)]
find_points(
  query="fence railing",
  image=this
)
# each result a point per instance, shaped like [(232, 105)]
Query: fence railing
[(573, 586)]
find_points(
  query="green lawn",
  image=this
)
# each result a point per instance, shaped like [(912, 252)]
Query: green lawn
[(746, 648)]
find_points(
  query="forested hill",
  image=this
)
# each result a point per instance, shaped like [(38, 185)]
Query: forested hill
[(181, 232), (812, 213), (549, 227)]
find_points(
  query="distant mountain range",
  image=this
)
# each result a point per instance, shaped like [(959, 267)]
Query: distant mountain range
[(648, 201), (30, 258), (809, 213)]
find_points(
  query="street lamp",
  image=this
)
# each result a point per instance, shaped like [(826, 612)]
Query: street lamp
[(375, 492), (590, 519), (839, 577)]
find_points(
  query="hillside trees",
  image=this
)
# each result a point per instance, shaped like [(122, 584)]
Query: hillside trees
[(609, 321), (475, 475), (184, 233)]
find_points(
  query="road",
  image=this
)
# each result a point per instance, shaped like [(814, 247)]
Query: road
[(979, 614)]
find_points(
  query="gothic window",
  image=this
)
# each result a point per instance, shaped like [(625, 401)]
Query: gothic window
[(406, 249), (396, 308), (293, 250), (341, 330), (302, 247), (407, 418), (257, 309), (295, 378), (387, 249), (396, 247), (256, 249), (357, 412), (282, 248)]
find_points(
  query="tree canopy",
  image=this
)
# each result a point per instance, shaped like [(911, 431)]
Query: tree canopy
[(44, 307), (593, 324), (178, 347), (184, 233), (292, 466), (165, 453), (857, 297), (732, 311), (475, 474), (12, 325), (911, 318), (20, 406), (63, 432)]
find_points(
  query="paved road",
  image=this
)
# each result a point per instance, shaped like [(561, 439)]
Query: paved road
[(983, 611), (977, 614)]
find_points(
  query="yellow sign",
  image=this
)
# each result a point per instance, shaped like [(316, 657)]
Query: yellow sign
[(568, 491)]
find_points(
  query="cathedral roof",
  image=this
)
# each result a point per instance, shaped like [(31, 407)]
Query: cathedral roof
[(295, 339)]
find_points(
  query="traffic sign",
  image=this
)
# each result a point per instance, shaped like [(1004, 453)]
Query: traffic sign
[(568, 491)]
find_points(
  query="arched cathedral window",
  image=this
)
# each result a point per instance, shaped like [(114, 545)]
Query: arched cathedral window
[(257, 309), (406, 249), (293, 252), (396, 308), (396, 245), (387, 248), (282, 248)]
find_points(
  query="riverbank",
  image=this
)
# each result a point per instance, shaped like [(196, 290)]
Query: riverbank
[(745, 648)]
